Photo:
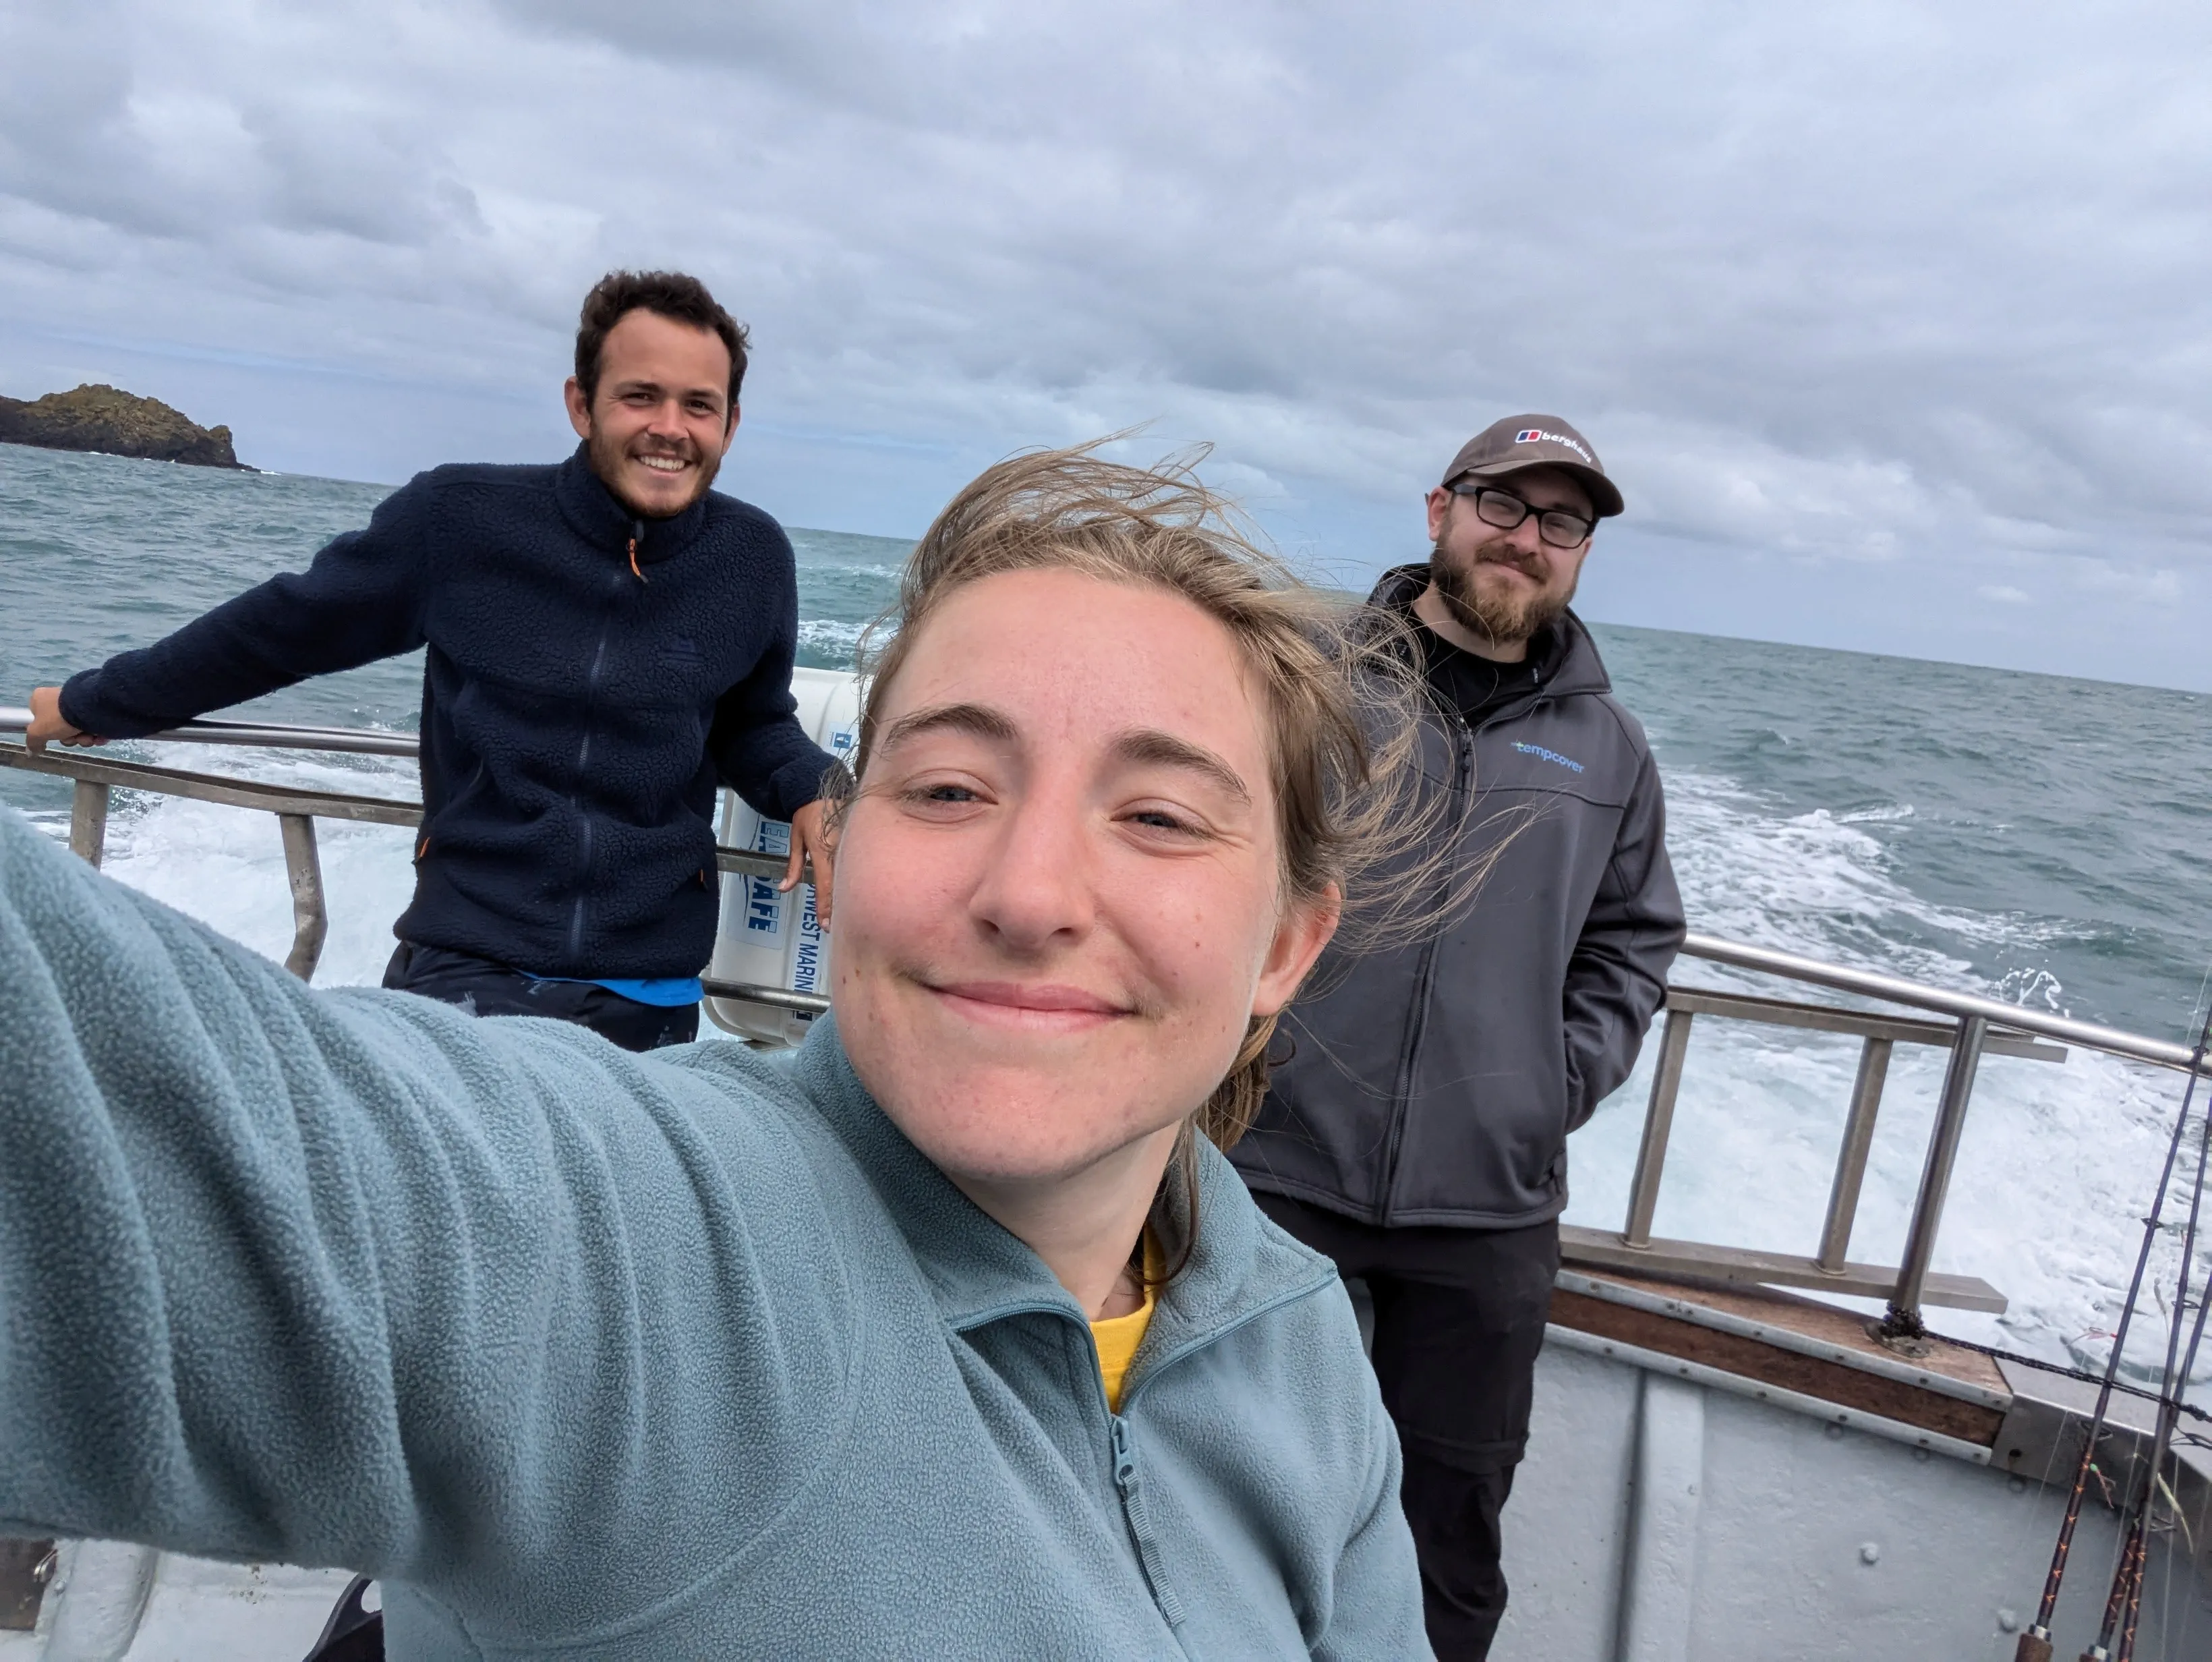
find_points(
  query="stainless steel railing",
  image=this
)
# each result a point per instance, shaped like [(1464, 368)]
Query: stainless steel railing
[(1971, 1027), (1976, 1027), (359, 741), (95, 777), (1908, 1287), (1893, 989)]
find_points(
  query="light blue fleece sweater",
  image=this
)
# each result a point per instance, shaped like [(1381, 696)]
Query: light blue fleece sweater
[(585, 1353)]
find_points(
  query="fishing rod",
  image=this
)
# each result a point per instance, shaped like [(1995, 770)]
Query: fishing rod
[(271, 735), (2115, 1638), (2127, 1579), (2169, 1416), (2116, 1641), (2035, 1643)]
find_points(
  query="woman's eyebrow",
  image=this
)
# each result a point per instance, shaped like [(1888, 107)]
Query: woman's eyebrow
[(980, 721), (1149, 746)]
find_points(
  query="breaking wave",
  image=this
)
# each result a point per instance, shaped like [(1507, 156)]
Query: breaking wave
[(2056, 1163)]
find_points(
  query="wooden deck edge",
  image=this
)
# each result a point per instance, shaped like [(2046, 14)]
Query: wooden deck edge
[(1834, 1381), (1603, 1249)]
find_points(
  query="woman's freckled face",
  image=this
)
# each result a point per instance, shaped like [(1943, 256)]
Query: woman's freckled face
[(1058, 903)]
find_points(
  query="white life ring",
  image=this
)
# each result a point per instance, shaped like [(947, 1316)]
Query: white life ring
[(766, 939)]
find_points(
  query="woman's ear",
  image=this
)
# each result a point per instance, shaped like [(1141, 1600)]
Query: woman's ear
[(1304, 930)]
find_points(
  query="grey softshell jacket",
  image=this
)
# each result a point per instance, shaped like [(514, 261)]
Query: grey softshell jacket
[(1436, 1082), (593, 1355)]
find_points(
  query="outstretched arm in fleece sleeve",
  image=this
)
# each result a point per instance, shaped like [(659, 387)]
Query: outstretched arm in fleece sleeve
[(350, 1278), (361, 599)]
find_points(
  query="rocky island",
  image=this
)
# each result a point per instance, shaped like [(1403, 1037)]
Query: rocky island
[(118, 423)]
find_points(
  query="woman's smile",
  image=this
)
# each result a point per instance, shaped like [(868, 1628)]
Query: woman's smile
[(1029, 1007)]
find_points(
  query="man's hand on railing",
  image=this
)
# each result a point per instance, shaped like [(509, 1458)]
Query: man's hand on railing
[(809, 843), (48, 725)]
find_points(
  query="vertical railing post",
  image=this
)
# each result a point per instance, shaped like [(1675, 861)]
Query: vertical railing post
[(26, 1568), (310, 922), (89, 821), (1851, 1162), (1658, 1124), (1902, 1325)]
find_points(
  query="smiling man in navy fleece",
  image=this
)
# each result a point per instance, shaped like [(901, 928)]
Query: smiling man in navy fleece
[(606, 640)]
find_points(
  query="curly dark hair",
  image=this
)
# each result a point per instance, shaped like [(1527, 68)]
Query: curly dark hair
[(672, 294)]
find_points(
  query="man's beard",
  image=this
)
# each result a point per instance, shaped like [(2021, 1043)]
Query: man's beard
[(1501, 619), (607, 454)]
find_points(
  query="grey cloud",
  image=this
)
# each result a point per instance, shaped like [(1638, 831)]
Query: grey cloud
[(106, 135), (1837, 283)]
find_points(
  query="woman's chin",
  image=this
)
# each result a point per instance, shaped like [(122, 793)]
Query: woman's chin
[(1008, 1105), (991, 1134)]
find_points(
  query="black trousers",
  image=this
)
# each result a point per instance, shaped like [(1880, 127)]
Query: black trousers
[(1459, 1318), (485, 988)]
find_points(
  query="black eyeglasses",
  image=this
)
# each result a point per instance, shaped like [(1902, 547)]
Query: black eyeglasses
[(1506, 510)]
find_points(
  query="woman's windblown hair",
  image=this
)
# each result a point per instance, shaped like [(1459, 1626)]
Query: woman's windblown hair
[(1334, 680)]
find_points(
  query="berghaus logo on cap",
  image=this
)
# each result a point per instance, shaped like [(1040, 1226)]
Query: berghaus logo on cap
[(1538, 435)]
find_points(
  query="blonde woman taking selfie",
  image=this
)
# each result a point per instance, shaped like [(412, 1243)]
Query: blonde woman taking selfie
[(951, 1335)]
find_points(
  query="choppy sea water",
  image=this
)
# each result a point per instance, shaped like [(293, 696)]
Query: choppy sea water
[(2031, 837)]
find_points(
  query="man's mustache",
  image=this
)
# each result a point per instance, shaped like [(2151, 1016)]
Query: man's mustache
[(1502, 553)]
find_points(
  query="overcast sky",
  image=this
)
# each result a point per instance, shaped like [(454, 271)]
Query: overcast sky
[(1893, 322)]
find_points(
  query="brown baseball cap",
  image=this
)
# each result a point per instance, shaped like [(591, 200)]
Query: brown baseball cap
[(1523, 441)]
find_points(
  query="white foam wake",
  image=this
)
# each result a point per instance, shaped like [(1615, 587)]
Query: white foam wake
[(2057, 1162), (225, 865)]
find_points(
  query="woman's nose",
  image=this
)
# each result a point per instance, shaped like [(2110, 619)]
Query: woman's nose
[(1039, 885)]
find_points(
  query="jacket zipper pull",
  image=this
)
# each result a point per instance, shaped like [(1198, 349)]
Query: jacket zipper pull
[(1124, 1468), (1140, 1523), (637, 534)]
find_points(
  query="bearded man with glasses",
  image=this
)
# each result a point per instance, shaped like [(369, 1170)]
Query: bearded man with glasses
[(1417, 1131)]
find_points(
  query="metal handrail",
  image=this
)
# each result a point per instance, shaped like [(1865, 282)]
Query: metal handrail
[(95, 777), (267, 735), (1740, 954), (105, 772), (1894, 990), (1979, 1026)]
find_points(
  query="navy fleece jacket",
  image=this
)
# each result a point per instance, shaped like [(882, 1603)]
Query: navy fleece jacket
[(688, 1354), (578, 705)]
